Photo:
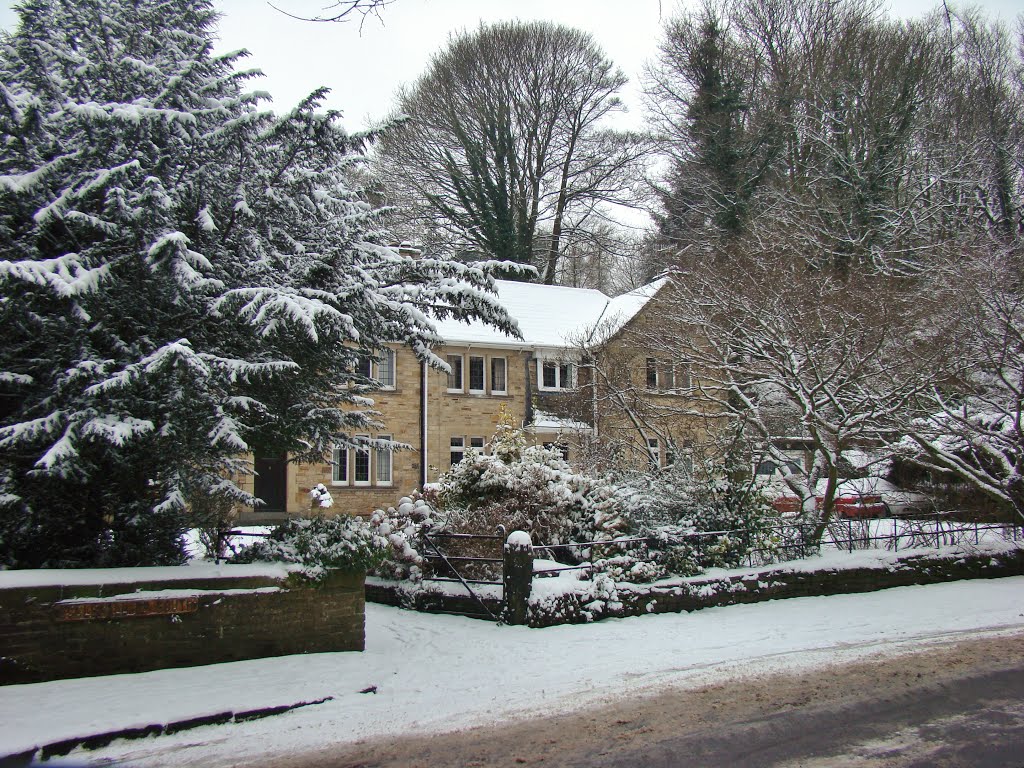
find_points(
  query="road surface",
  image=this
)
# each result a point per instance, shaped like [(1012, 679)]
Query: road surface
[(960, 704)]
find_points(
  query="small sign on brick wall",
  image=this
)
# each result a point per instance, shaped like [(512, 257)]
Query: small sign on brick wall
[(99, 610)]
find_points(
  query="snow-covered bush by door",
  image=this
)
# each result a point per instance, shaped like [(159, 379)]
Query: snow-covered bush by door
[(402, 527), (532, 489), (319, 544)]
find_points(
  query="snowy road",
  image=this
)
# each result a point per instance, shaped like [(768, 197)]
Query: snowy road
[(959, 704), (438, 673)]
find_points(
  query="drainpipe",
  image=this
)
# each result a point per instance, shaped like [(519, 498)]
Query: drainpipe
[(423, 424), (528, 410)]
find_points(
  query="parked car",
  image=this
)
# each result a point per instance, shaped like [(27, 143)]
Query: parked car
[(863, 497)]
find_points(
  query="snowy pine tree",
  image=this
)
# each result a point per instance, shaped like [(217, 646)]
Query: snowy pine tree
[(184, 276)]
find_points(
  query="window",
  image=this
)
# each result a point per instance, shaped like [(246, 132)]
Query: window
[(477, 444), (680, 377), (498, 383), (476, 375), (379, 367), (361, 464), (364, 366), (386, 368), (681, 459), (383, 463), (654, 452), (554, 375), (652, 373), (455, 377), (458, 450), (339, 466), (668, 377)]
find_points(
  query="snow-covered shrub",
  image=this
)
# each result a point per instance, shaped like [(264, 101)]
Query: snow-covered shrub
[(700, 519), (531, 489), (319, 544), (402, 528), (321, 497)]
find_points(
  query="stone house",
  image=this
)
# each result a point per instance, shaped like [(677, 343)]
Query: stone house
[(547, 381)]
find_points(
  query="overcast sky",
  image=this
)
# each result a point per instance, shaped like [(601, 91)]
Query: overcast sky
[(364, 66)]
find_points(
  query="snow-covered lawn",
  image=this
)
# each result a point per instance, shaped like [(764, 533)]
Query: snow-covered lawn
[(442, 672)]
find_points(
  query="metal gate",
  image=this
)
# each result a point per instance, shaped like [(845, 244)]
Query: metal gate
[(469, 559)]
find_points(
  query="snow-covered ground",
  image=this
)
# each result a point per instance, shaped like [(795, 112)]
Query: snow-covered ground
[(437, 673)]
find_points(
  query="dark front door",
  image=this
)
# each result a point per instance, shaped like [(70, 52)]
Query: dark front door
[(271, 482)]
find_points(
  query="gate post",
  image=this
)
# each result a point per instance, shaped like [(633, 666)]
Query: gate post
[(518, 576)]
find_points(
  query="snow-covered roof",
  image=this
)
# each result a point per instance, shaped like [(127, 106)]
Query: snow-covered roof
[(548, 422), (550, 316)]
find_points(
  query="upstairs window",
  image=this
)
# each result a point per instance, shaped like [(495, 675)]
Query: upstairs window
[(682, 376), (455, 377), (555, 375), (476, 375), (652, 373), (379, 367), (386, 368), (666, 376), (477, 444), (499, 385)]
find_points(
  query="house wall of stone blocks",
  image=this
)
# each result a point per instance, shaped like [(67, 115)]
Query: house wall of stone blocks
[(572, 416)]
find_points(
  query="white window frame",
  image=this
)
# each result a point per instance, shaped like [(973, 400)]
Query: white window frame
[(561, 367), (504, 376), (386, 366), (477, 444), (339, 464), (483, 375), (456, 442), (383, 459), (462, 373), (356, 453)]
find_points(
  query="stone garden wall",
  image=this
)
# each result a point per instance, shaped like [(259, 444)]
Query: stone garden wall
[(74, 629)]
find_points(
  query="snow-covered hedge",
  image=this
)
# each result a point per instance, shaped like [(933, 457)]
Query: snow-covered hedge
[(319, 544), (699, 519)]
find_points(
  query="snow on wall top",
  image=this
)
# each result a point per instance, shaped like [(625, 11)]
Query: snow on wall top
[(68, 577), (550, 315)]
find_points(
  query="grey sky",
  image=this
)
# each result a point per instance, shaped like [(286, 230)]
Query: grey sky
[(363, 67)]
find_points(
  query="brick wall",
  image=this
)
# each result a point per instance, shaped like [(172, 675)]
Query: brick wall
[(49, 633)]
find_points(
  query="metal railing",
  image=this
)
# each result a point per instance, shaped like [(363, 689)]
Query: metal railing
[(790, 541)]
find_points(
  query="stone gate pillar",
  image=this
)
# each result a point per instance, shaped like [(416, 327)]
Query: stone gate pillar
[(518, 576)]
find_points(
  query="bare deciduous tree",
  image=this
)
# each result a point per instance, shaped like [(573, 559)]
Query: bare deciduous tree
[(789, 353), (971, 419), (503, 150)]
